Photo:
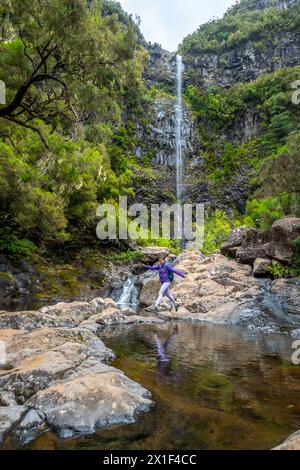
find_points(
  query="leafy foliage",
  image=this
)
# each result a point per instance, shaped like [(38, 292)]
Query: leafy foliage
[(242, 22), (264, 212), (269, 157), (217, 228), (10, 243), (277, 270), (74, 89)]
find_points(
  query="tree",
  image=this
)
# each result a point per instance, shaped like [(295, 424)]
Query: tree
[(57, 55)]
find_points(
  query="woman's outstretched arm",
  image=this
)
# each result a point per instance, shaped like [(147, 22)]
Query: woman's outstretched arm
[(152, 268), (176, 271)]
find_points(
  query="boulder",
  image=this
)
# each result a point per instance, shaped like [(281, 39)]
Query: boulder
[(287, 291), (220, 290), (291, 443), (149, 291), (83, 404), (26, 345), (261, 267), (9, 417), (234, 241), (208, 293), (282, 235), (252, 247), (154, 253), (112, 317)]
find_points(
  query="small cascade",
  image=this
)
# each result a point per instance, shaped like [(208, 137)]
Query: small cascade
[(129, 294)]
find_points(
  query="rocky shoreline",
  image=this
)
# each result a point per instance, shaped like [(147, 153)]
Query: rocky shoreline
[(57, 374)]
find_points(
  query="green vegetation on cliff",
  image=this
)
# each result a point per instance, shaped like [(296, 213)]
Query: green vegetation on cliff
[(242, 22), (253, 130), (239, 75)]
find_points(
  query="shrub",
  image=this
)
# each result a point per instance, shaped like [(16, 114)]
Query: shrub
[(264, 212), (10, 244), (216, 230), (277, 270)]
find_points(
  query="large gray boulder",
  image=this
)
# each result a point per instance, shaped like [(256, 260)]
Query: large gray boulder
[(33, 320), (57, 377), (76, 311), (234, 241), (252, 247), (149, 291), (154, 253), (97, 399), (282, 236)]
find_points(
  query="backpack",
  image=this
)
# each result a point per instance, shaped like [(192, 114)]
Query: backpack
[(170, 274)]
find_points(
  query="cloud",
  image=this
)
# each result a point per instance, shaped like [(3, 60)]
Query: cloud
[(169, 21)]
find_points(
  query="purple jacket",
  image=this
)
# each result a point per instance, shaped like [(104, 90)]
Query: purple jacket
[(163, 271)]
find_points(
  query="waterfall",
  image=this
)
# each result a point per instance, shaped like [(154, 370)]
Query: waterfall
[(129, 294), (179, 142), (178, 128)]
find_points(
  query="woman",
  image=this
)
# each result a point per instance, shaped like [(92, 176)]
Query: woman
[(166, 275)]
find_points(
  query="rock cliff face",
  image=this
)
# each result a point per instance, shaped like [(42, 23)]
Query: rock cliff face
[(161, 69), (244, 62), (156, 148)]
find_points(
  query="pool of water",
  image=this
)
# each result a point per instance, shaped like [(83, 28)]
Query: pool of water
[(214, 387)]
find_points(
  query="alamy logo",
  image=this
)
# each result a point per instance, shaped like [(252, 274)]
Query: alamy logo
[(2, 353), (2, 92), (139, 222), (296, 94), (296, 354)]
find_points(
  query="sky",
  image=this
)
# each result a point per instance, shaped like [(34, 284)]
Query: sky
[(167, 22)]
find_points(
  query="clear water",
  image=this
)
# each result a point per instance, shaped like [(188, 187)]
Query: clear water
[(218, 388)]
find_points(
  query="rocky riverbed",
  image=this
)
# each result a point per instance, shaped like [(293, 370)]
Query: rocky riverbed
[(219, 290), (57, 374)]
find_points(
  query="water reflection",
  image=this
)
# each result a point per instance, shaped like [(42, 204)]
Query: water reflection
[(164, 370)]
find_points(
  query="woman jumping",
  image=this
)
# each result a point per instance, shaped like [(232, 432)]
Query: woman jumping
[(166, 275)]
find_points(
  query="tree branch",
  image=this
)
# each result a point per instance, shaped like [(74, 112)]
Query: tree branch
[(6, 136), (27, 126)]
